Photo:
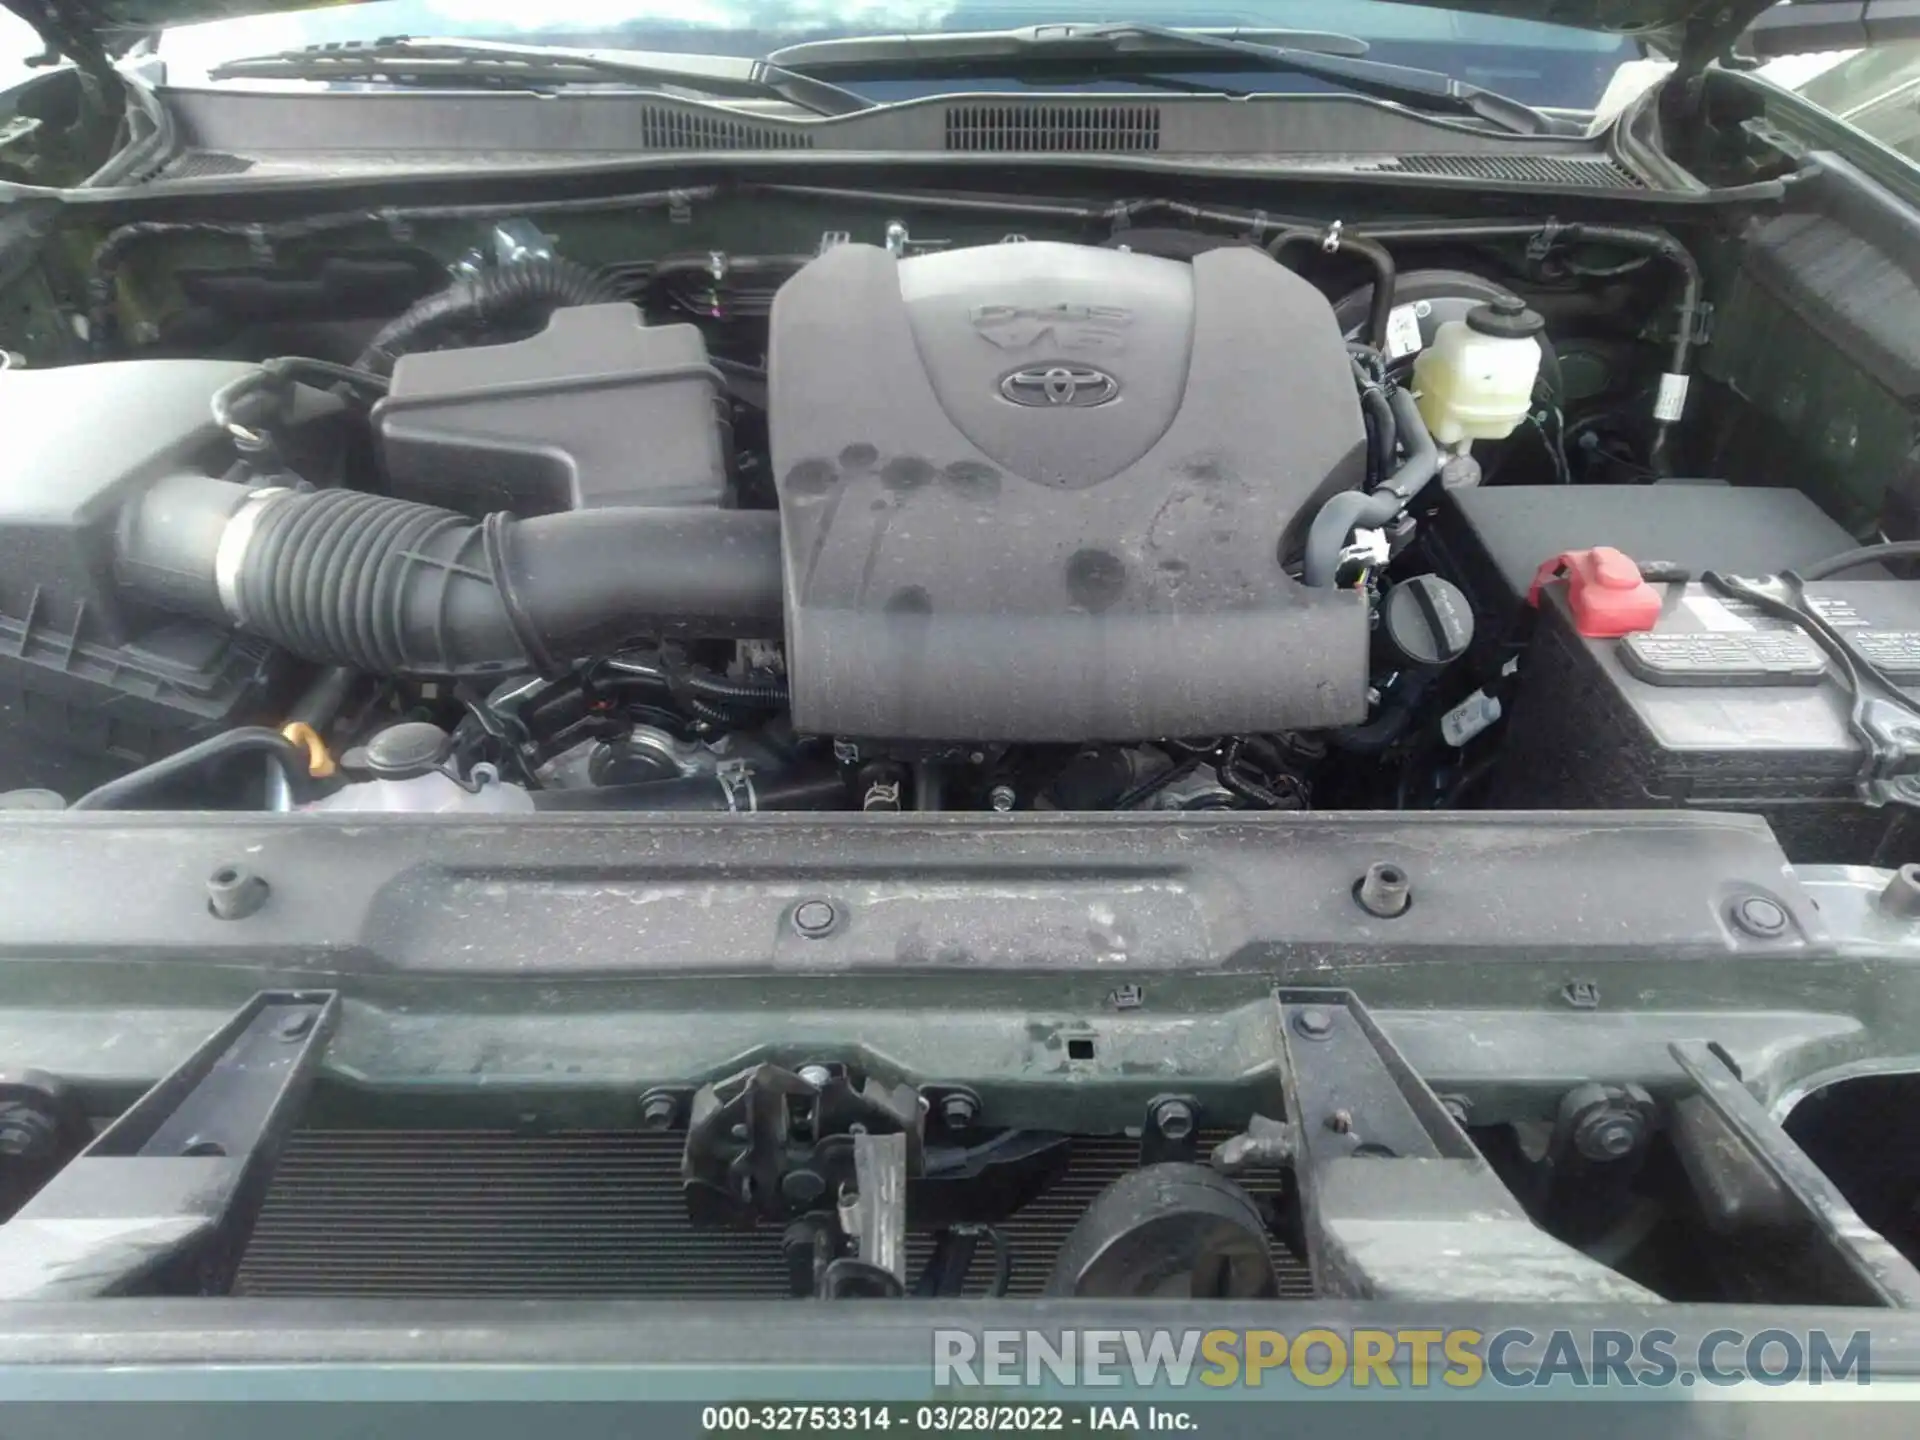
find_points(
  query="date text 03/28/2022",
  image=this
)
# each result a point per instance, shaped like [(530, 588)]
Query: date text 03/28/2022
[(944, 1419)]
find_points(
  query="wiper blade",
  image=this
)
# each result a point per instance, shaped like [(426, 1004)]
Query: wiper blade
[(1050, 49), (472, 62)]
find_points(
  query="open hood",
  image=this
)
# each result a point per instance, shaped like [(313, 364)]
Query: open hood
[(89, 29)]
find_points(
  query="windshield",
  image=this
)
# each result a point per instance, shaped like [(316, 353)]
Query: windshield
[(1546, 65)]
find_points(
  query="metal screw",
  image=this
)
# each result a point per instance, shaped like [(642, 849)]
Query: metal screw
[(1002, 798), (1456, 1106), (295, 1026), (658, 1109), (814, 918), (1760, 917), (1313, 1024), (818, 1076), (958, 1111), (1341, 1122), (1173, 1119)]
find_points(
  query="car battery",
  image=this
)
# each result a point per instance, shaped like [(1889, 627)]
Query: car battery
[(1491, 540), (1720, 707)]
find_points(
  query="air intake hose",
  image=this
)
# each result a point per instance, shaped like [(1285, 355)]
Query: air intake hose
[(396, 588), (522, 294)]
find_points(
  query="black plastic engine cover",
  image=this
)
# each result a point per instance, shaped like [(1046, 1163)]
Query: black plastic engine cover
[(1038, 491)]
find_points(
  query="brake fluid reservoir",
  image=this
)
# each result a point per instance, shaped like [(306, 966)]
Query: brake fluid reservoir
[(1475, 382)]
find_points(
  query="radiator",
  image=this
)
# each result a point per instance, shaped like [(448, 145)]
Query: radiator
[(581, 1214)]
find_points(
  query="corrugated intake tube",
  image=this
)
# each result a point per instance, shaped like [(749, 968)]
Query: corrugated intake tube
[(394, 588)]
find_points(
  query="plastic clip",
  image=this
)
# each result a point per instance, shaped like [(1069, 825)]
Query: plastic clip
[(1541, 245)]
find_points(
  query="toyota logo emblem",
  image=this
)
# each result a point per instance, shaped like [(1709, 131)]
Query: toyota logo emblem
[(1075, 385)]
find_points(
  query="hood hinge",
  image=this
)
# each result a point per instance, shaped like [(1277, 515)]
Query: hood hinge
[(71, 28)]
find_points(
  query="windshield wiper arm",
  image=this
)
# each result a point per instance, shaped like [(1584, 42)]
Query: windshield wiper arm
[(1049, 48), (465, 62)]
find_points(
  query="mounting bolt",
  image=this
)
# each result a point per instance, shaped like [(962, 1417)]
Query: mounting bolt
[(1340, 1122), (1173, 1118), (1760, 917), (1313, 1024), (1456, 1107), (818, 1076), (814, 918), (658, 1110), (958, 1110), (1606, 1122), (1384, 890), (1002, 798), (1902, 895), (1608, 1137), (235, 892)]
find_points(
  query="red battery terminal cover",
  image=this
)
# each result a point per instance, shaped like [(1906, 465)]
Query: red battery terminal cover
[(1605, 591)]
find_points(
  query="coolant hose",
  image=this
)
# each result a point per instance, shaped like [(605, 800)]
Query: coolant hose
[(1343, 513), (395, 588), (1333, 241), (521, 294)]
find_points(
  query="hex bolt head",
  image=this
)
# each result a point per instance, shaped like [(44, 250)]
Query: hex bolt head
[(814, 918), (1609, 1135), (1384, 891), (1174, 1119), (658, 1109), (1002, 798), (1760, 917), (1312, 1024), (958, 1111), (235, 892), (815, 1075)]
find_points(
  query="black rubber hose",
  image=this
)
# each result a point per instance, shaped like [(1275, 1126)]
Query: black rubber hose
[(1865, 555), (394, 588), (522, 294), (1382, 436), (1380, 313), (1338, 517), (121, 793)]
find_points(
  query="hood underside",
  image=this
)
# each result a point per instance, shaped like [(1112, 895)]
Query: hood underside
[(108, 26)]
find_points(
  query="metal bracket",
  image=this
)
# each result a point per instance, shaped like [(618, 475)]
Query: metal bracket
[(873, 1214), (1396, 1201), (1851, 1258), (164, 1198), (1171, 1131), (769, 1143)]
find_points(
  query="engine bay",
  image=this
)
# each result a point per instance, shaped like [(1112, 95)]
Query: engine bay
[(1072, 518), (1154, 513)]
